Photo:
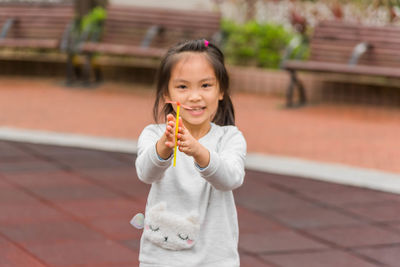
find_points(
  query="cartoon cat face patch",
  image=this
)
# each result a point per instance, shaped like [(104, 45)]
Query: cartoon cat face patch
[(168, 230)]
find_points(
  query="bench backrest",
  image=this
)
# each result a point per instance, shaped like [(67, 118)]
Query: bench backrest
[(128, 25), (36, 21), (334, 42)]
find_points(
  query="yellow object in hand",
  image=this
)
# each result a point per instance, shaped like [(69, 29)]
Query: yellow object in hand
[(178, 105)]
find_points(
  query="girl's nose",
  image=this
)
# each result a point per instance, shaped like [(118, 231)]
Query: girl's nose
[(194, 95)]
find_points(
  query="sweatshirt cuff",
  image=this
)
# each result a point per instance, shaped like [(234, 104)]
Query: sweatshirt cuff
[(212, 166), (159, 161)]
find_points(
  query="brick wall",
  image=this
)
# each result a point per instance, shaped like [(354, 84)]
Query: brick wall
[(266, 81)]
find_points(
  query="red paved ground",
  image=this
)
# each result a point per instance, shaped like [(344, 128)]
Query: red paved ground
[(71, 207), (66, 207)]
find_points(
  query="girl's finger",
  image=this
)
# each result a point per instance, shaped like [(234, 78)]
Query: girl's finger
[(170, 117), (169, 135), (170, 126)]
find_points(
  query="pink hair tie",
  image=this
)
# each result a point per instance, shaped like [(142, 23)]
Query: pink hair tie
[(206, 43)]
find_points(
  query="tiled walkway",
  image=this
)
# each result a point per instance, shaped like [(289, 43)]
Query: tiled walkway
[(71, 207)]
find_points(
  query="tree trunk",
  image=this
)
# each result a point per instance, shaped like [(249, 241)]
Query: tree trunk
[(251, 9)]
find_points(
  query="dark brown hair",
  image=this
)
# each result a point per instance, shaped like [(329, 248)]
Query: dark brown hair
[(225, 114)]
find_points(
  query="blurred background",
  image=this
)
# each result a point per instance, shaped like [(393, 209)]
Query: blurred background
[(80, 63), (254, 34)]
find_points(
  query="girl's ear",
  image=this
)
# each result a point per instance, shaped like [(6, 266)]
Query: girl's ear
[(166, 97), (166, 94), (221, 96), (221, 93)]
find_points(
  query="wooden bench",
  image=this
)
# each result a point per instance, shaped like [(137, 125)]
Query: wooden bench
[(30, 29), (351, 53), (139, 36)]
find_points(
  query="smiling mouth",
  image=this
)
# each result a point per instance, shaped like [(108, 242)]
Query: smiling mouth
[(196, 111), (196, 108)]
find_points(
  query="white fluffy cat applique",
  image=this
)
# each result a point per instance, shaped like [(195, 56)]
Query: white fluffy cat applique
[(166, 229)]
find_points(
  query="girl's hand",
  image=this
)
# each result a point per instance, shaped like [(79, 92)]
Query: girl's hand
[(186, 142), (166, 143), (170, 131), (191, 147)]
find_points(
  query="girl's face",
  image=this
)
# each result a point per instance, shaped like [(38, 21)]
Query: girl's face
[(193, 83)]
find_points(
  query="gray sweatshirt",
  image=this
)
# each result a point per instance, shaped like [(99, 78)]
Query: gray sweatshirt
[(187, 189)]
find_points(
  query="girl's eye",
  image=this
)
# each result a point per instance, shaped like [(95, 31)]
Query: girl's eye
[(206, 85), (183, 236), (154, 229), (181, 86)]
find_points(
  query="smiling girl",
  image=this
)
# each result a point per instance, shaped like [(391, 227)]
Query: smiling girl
[(191, 216)]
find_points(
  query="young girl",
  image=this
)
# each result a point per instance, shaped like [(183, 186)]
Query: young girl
[(191, 216)]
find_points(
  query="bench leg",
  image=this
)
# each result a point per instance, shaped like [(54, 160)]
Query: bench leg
[(302, 92), (70, 70), (87, 70), (295, 82), (98, 75), (289, 92)]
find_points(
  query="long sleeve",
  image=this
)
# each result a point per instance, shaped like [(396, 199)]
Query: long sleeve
[(149, 167), (226, 168), (187, 189)]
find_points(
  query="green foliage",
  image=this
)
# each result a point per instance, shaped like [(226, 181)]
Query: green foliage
[(254, 43), (94, 17)]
